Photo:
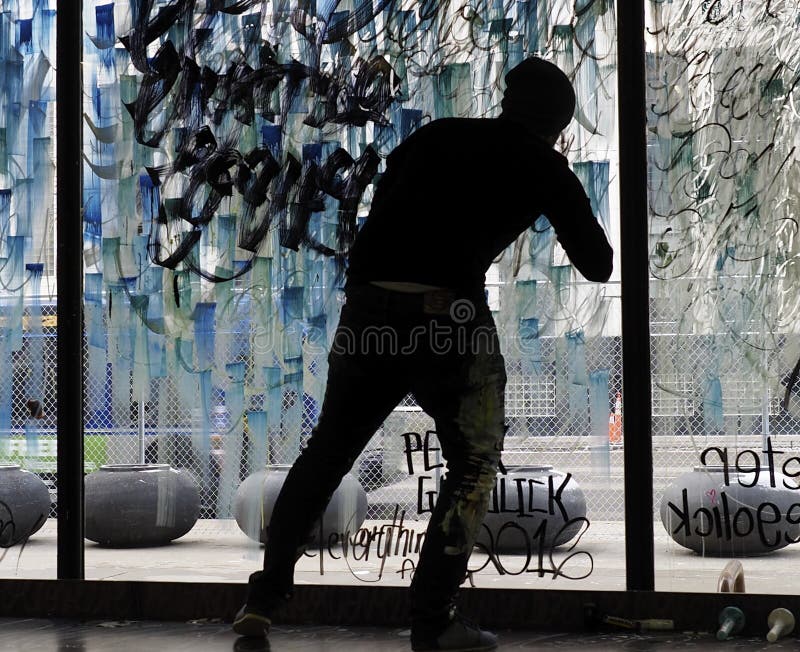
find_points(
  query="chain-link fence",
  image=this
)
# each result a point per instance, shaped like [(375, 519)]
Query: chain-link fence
[(698, 402), (708, 390), (554, 417), (719, 390), (28, 390)]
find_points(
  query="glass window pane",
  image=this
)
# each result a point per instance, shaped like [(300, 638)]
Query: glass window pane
[(228, 154), (27, 292), (721, 81)]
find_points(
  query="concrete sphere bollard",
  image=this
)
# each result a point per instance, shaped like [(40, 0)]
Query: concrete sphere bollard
[(256, 496), (139, 505), (744, 516), (24, 504), (533, 508)]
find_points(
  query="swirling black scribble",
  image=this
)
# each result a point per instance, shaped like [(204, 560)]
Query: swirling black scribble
[(722, 80)]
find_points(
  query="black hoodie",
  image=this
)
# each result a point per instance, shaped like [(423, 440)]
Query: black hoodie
[(457, 192)]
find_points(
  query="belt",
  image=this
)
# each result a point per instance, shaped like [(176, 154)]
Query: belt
[(432, 302)]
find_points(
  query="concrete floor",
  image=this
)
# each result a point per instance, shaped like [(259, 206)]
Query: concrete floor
[(217, 551), (42, 635)]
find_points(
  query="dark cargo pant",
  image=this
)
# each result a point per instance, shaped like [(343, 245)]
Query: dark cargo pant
[(443, 347)]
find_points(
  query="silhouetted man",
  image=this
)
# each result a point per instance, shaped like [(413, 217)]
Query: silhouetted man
[(455, 194)]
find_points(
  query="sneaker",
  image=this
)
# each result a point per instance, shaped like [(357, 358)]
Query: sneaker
[(458, 635), (252, 620)]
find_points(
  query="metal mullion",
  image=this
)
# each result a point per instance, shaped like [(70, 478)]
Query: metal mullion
[(69, 274), (638, 455)]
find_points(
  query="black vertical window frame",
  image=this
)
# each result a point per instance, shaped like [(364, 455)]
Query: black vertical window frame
[(638, 457), (638, 437), (69, 273)]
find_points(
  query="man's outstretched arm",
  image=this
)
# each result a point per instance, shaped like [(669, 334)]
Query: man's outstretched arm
[(577, 229)]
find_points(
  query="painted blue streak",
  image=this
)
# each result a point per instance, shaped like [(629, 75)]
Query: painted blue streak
[(25, 35), (316, 334), (257, 431), (272, 382), (712, 403), (530, 345), (92, 213), (385, 139), (15, 267), (273, 401), (153, 283), (577, 378), (93, 288), (234, 400), (46, 37), (24, 195), (202, 439), (125, 329), (292, 418), (576, 358), (97, 354), (312, 152), (272, 139), (291, 304), (6, 382), (150, 199), (204, 334), (226, 239), (410, 119), (599, 411), (42, 174), (528, 17), (37, 120), (105, 34), (5, 211), (35, 341), (316, 292), (141, 259), (594, 177)]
